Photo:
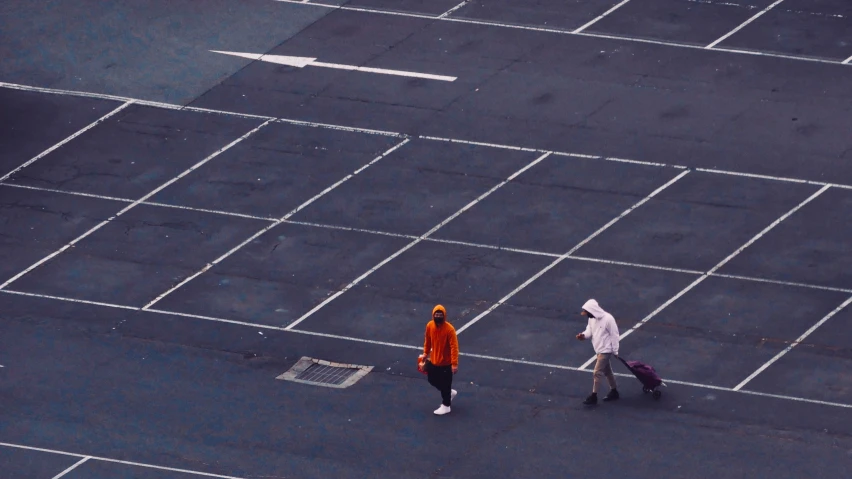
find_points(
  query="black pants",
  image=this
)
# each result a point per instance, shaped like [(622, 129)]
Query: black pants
[(441, 377)]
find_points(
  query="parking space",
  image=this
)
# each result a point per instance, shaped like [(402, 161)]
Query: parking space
[(18, 463), (556, 204), (685, 21), (817, 368), (723, 329), (134, 152), (34, 122), (540, 323), (139, 255), (111, 470), (419, 186), (395, 303), (37, 223), (282, 274), (809, 247), (276, 170), (429, 7), (569, 15), (679, 228), (801, 27)]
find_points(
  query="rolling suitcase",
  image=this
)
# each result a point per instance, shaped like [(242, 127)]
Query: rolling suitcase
[(646, 374)]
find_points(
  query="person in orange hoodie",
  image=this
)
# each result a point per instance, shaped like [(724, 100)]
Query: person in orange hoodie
[(441, 347)]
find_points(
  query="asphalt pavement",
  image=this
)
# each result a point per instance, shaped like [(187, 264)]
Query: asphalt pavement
[(195, 196)]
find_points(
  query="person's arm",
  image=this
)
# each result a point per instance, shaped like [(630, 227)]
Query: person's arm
[(612, 328), (427, 342), (587, 334), (454, 350)]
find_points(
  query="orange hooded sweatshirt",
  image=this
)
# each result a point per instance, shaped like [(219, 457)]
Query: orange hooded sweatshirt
[(441, 341)]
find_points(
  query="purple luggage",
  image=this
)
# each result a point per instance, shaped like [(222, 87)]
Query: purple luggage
[(646, 374)]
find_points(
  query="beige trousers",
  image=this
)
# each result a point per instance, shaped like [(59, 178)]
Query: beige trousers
[(603, 368)]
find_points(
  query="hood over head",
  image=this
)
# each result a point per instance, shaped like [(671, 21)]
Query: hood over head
[(441, 309), (593, 307)]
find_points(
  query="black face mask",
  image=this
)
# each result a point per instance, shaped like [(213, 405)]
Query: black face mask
[(439, 321), (588, 314)]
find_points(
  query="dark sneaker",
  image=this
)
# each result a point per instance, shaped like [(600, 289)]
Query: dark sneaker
[(591, 400), (612, 396)]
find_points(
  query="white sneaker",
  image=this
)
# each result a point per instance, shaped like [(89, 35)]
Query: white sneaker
[(453, 394), (442, 410)]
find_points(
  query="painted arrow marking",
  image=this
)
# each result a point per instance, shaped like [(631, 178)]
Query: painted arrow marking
[(301, 62)]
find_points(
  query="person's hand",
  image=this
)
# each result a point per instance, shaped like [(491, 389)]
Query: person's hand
[(455, 369), (581, 336)]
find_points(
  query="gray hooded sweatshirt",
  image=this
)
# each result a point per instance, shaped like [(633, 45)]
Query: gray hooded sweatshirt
[(601, 330)]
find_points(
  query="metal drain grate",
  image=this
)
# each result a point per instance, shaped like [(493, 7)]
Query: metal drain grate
[(324, 373)]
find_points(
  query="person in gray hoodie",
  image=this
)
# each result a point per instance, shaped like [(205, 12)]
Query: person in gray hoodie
[(603, 332)]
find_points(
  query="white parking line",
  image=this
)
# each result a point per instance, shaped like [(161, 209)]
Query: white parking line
[(453, 10), (416, 241), (402, 135), (563, 32), (444, 241), (114, 461), (793, 344), (847, 61), (132, 205), (75, 466), (716, 268), (569, 253), (743, 25), (412, 347), (66, 140), (276, 223), (601, 17)]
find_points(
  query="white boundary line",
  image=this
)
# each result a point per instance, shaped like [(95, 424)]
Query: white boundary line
[(743, 25), (75, 466), (564, 32), (570, 252), (276, 223), (416, 241), (133, 205), (716, 268), (75, 135), (114, 461), (400, 346), (847, 61), (453, 10), (402, 135), (600, 17), (793, 344), (444, 241)]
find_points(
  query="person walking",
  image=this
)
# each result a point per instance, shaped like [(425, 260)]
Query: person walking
[(441, 347), (603, 331)]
